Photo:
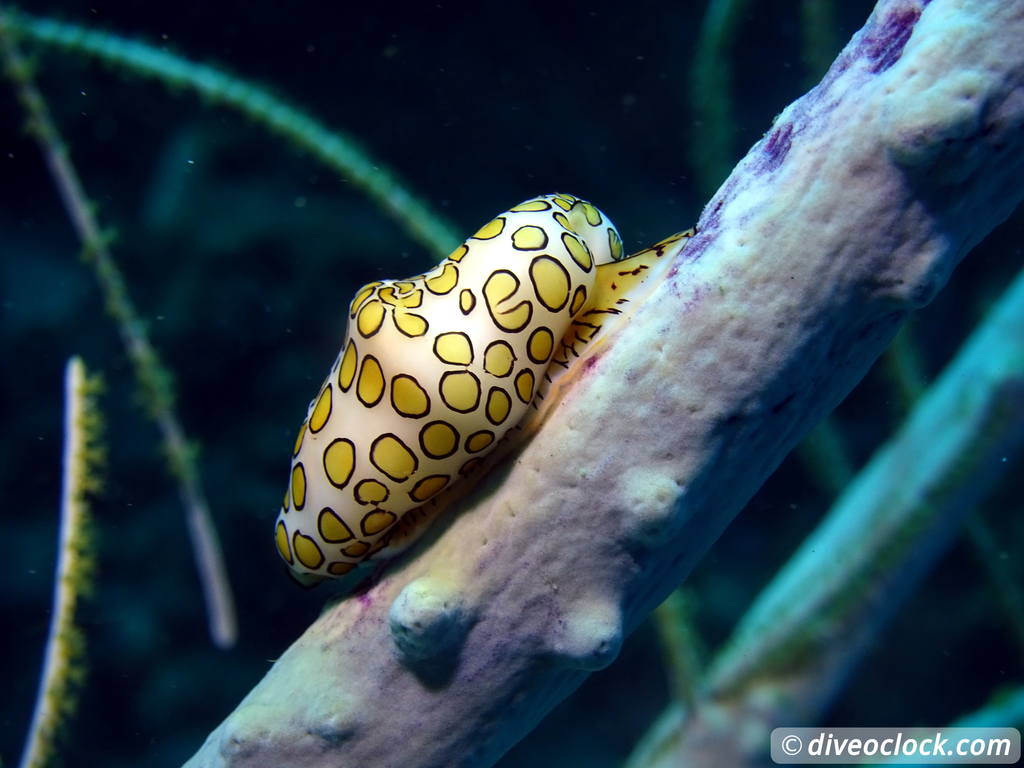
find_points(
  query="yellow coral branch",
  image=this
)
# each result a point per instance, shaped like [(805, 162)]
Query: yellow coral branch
[(62, 668)]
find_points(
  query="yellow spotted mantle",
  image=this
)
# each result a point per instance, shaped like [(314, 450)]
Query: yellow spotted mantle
[(437, 368)]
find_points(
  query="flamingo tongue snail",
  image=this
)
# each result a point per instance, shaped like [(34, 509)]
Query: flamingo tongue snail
[(436, 369)]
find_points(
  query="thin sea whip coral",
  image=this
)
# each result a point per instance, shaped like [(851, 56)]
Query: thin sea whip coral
[(331, 147), (152, 377), (65, 645)]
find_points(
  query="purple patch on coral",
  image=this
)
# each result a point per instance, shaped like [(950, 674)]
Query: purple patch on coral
[(777, 145), (693, 251), (884, 44), (711, 220)]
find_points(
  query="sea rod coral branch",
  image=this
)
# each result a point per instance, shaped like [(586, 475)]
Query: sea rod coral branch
[(851, 212)]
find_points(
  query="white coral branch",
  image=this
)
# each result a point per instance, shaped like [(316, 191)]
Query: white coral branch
[(852, 211)]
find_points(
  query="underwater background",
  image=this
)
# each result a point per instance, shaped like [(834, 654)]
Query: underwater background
[(241, 253)]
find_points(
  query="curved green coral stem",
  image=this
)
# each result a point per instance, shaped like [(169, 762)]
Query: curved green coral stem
[(819, 41), (330, 147), (824, 455), (711, 95), (905, 369), (154, 381), (680, 642)]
